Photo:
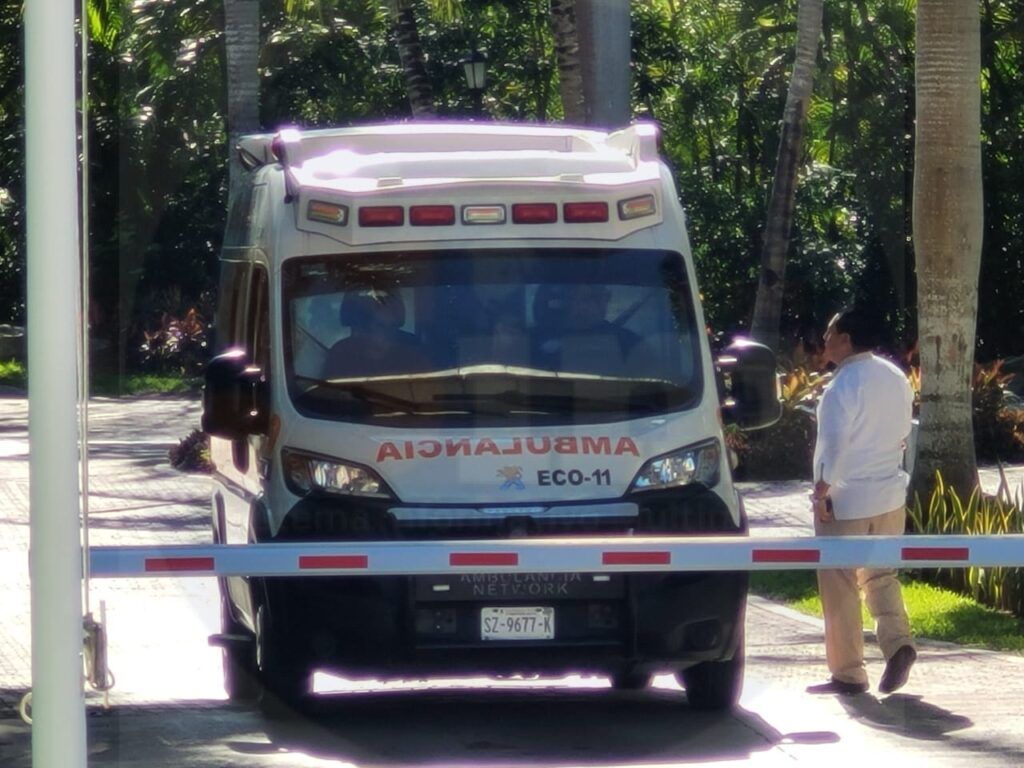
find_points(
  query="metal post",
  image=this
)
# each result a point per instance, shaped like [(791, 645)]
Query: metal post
[(58, 706)]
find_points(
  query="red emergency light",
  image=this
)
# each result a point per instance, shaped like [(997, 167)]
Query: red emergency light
[(382, 216), (432, 215), (534, 213), (584, 213)]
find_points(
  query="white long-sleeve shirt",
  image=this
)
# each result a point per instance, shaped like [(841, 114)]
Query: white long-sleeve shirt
[(863, 421)]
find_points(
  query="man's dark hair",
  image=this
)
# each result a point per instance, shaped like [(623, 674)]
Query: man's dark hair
[(864, 327)]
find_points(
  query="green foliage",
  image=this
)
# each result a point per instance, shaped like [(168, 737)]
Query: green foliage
[(998, 427), (947, 513), (713, 74), (192, 453), (12, 374)]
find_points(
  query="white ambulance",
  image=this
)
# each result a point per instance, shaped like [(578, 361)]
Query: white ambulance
[(472, 331)]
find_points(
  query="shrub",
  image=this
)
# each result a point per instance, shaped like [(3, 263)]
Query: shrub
[(998, 428), (192, 453), (946, 513), (179, 344), (997, 419)]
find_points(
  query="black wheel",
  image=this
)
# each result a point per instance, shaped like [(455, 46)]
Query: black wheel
[(714, 685), (630, 680), (241, 676), (285, 674)]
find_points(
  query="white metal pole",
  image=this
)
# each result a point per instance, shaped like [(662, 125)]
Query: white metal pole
[(83, 309), (58, 706)]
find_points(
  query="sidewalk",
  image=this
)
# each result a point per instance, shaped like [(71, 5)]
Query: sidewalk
[(960, 702)]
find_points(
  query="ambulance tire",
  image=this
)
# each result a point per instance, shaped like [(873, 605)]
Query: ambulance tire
[(630, 680), (241, 675), (287, 681), (714, 685)]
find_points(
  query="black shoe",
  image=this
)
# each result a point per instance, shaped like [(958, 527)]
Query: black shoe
[(897, 669), (840, 687)]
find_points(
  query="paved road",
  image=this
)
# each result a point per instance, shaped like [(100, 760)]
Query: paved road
[(168, 706)]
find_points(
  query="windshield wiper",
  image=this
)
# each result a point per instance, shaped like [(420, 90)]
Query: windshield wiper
[(361, 393)]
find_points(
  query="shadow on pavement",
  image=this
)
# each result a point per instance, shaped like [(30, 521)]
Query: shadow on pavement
[(911, 717), (908, 715), (423, 728), (535, 728)]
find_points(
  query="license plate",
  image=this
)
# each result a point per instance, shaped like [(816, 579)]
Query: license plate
[(517, 623)]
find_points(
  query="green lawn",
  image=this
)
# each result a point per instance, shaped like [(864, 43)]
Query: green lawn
[(13, 374), (935, 613)]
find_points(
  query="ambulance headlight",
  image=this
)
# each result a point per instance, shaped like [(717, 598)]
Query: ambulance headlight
[(307, 473), (693, 464)]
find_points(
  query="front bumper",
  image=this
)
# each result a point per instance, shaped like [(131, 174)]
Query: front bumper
[(367, 626), (361, 626)]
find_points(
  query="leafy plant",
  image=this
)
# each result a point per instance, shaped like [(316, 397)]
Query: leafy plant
[(192, 453), (947, 514), (179, 343)]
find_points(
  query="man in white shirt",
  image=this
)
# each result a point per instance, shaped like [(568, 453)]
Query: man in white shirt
[(860, 489)]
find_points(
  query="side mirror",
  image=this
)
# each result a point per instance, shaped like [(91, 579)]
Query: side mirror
[(750, 389), (234, 397)]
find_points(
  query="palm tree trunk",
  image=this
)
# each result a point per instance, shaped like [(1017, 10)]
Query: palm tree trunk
[(779, 222), (948, 225), (407, 37), (603, 31), (241, 59), (567, 50)]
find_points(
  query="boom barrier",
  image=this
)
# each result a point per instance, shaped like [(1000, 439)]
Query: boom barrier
[(590, 555)]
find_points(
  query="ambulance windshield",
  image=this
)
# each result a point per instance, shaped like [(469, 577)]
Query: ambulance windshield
[(529, 335)]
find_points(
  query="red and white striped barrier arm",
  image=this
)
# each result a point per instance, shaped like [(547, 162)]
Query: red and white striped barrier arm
[(590, 555)]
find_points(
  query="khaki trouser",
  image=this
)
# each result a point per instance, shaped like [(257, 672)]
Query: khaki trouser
[(840, 600)]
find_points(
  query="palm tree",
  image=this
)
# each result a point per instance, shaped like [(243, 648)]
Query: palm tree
[(567, 49), (241, 58), (603, 28), (779, 221), (948, 225), (406, 31)]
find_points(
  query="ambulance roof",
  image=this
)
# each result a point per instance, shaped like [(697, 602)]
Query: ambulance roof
[(370, 158)]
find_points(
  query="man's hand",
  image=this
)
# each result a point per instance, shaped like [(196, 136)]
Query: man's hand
[(819, 502)]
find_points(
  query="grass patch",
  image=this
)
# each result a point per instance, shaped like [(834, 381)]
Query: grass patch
[(14, 374), (935, 613), (144, 384)]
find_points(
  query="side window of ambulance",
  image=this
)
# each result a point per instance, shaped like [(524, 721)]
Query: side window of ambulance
[(258, 325), (229, 329)]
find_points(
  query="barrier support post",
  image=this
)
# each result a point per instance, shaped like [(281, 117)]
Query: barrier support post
[(58, 705)]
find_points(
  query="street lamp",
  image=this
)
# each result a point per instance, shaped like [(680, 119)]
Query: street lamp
[(475, 67)]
